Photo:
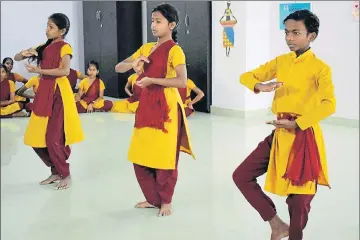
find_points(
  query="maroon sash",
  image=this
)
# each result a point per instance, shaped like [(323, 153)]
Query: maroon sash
[(93, 92), (153, 110), (304, 160), (11, 76), (136, 94), (44, 98), (5, 90), (73, 78)]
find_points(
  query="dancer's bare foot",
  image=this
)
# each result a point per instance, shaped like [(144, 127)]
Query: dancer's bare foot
[(279, 229), (165, 210), (63, 184), (50, 179), (144, 205)]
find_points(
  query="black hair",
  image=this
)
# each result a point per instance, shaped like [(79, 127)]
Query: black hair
[(62, 22), (8, 58), (97, 66), (4, 67), (310, 20), (171, 14)]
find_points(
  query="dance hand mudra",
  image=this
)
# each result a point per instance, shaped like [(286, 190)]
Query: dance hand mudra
[(283, 123), (29, 52), (267, 87), (144, 82), (138, 64), (32, 68)]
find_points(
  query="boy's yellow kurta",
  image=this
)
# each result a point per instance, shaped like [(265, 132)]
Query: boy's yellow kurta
[(12, 108), (36, 130), (307, 91), (84, 85), (152, 147)]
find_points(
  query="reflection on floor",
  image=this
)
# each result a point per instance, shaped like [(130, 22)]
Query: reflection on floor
[(207, 205)]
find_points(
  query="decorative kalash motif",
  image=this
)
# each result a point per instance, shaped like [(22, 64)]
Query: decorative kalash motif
[(228, 33)]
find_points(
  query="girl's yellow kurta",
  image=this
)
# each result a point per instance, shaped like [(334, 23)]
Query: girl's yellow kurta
[(124, 106), (36, 130), (19, 78), (34, 83), (78, 76), (151, 147), (190, 85), (307, 91), (84, 86), (12, 108)]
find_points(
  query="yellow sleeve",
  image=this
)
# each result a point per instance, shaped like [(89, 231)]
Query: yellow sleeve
[(12, 87), (78, 74), (66, 50), (132, 78), (263, 73), (31, 82), (81, 84), (177, 56), (138, 53), (18, 77), (102, 85), (190, 84), (328, 102)]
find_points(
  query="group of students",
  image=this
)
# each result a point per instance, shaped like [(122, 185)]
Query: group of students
[(293, 155), (89, 94), (17, 100)]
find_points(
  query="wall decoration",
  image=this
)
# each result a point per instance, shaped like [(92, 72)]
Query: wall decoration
[(355, 11), (228, 21), (287, 8)]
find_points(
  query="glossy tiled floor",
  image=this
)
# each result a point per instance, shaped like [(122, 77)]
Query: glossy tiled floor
[(207, 205)]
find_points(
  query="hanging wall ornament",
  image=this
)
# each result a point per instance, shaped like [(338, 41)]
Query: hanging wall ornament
[(228, 21), (355, 11)]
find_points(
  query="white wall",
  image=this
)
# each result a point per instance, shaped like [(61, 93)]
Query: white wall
[(257, 40), (226, 90), (27, 29), (144, 21), (258, 48), (252, 48), (337, 45)]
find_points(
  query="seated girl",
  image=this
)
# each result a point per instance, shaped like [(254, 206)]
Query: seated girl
[(15, 77), (185, 94), (32, 83), (130, 104), (90, 96), (73, 77), (9, 106)]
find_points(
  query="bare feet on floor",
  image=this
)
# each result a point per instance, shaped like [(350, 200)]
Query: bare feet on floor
[(165, 210), (63, 184), (51, 179), (144, 205), (279, 229)]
